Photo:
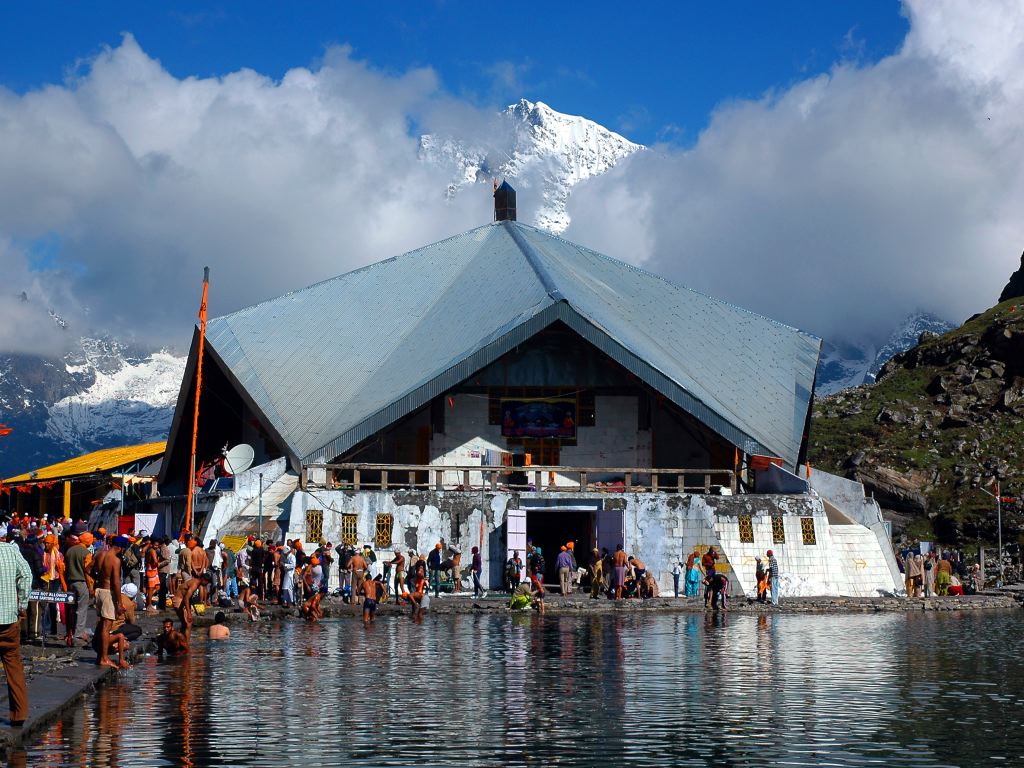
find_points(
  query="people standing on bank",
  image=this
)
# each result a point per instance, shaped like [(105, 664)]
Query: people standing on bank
[(677, 572), (761, 577), (184, 573), (287, 577), (943, 576), (915, 575), (77, 561), (573, 565), (929, 575), (596, 574), (200, 564), (477, 568), (359, 568), (214, 558), (620, 561), (513, 571), (773, 575), (693, 576), (708, 562), (15, 586), (230, 572), (434, 566), (107, 602), (563, 563), (151, 572), (53, 581), (32, 554), (398, 563), (164, 570)]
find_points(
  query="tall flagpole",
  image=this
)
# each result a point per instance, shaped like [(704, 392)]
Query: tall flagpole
[(187, 528)]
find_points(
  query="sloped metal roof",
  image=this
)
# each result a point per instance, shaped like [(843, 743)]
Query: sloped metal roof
[(92, 463), (334, 363)]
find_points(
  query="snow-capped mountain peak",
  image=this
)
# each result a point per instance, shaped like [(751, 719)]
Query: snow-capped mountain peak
[(539, 148), (101, 394), (846, 364)]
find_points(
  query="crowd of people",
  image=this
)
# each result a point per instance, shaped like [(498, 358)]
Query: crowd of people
[(938, 573)]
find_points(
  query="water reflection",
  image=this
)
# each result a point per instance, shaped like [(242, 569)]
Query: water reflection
[(694, 689)]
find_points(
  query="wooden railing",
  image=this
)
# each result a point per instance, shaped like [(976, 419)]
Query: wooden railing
[(383, 477)]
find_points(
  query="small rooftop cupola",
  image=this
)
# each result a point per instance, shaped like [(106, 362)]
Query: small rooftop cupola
[(504, 202)]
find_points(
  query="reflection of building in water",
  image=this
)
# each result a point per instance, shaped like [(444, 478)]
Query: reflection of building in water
[(504, 385)]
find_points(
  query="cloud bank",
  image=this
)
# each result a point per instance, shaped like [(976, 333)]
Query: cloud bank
[(133, 180), (846, 201), (838, 204)]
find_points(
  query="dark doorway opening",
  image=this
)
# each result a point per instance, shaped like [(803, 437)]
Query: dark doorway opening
[(550, 529)]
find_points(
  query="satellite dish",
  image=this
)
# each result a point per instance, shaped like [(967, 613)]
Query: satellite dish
[(239, 458)]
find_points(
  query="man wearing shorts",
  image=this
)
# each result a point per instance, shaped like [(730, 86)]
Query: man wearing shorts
[(372, 589), (358, 566), (108, 584), (619, 561)]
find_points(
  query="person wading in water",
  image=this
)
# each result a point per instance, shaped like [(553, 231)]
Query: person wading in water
[(171, 641)]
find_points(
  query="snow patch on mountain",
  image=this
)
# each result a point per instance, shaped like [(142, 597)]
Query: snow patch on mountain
[(539, 148), (133, 403), (846, 364)]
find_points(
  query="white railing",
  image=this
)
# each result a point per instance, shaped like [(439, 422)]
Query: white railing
[(383, 477)]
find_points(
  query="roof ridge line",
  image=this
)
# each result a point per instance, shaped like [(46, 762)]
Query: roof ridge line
[(533, 259), (669, 281)]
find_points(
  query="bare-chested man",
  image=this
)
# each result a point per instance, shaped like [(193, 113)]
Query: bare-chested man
[(310, 609), (372, 590), (419, 586), (358, 566), (399, 563), (200, 566), (171, 641), (108, 588), (183, 600), (219, 629), (620, 562)]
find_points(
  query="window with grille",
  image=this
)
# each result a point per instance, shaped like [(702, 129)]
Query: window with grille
[(314, 525), (384, 525), (746, 529), (778, 530), (349, 532), (807, 530)]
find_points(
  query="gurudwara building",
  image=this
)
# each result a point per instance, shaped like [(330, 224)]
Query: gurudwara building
[(506, 384)]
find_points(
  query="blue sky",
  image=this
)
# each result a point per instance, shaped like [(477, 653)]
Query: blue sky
[(653, 72), (884, 175)]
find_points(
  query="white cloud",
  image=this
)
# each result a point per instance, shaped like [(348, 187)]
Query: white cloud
[(846, 201), (838, 204), (144, 178)]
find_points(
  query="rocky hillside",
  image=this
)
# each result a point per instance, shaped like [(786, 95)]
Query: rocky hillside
[(1015, 287), (942, 420)]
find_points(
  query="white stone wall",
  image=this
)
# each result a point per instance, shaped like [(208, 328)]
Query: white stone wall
[(658, 528), (420, 520)]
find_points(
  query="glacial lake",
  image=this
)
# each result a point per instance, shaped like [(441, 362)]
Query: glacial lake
[(622, 690)]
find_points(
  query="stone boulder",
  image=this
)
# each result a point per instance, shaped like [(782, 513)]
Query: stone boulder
[(899, 491), (1014, 288)]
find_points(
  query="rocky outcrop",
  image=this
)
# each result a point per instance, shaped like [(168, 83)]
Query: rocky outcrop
[(893, 489), (1015, 288), (943, 419)]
